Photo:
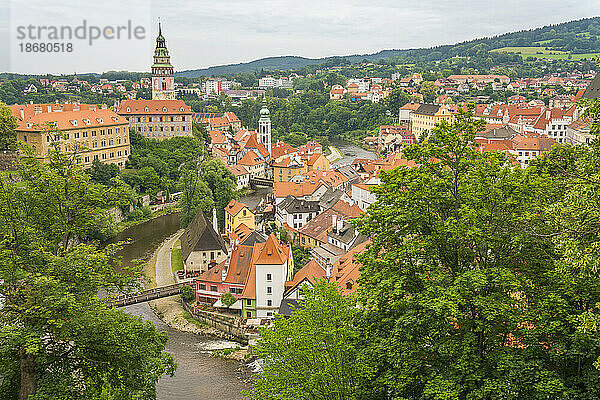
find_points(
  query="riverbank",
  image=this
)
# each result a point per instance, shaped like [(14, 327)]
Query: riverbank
[(169, 209), (335, 154), (170, 309)]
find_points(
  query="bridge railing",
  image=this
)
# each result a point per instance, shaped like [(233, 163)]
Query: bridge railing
[(147, 295)]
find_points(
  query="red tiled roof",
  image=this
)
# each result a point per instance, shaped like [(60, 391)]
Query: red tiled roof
[(166, 107)]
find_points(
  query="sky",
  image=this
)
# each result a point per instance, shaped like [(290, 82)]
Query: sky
[(206, 33)]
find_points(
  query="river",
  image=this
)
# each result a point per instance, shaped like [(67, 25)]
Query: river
[(350, 151), (199, 375)]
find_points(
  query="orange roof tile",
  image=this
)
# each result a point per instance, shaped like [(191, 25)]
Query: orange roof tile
[(234, 207), (272, 252)]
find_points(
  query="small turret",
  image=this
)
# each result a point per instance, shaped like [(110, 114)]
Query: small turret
[(215, 223)]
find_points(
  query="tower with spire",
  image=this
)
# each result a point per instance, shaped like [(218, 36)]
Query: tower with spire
[(163, 79), (264, 126)]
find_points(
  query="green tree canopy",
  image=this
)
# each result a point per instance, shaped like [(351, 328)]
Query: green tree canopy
[(313, 354), (8, 123), (58, 339), (465, 294)]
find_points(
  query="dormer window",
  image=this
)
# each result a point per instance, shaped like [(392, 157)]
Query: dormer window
[(164, 109), (99, 120), (181, 109), (128, 109), (74, 122), (146, 109)]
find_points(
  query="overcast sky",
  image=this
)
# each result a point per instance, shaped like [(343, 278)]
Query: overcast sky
[(205, 33)]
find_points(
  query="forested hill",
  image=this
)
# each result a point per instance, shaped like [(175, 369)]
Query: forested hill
[(580, 37)]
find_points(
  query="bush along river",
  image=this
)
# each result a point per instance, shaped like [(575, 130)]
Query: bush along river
[(199, 374)]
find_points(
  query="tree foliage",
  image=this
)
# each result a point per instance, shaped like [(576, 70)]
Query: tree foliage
[(467, 288), (8, 123), (58, 339), (228, 299), (312, 355)]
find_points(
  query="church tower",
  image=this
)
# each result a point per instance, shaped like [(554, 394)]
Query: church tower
[(264, 126), (163, 79)]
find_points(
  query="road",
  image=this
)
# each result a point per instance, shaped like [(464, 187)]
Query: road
[(164, 274)]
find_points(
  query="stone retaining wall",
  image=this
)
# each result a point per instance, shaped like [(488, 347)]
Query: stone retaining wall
[(219, 322)]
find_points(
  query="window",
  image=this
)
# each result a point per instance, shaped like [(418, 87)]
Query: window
[(248, 314), (202, 286), (269, 314), (248, 302), (269, 303), (213, 288), (269, 277), (212, 255), (269, 290)]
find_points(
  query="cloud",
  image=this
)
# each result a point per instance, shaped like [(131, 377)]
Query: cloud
[(204, 33)]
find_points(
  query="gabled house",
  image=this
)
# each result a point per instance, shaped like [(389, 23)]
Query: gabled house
[(201, 245), (237, 213), (295, 212), (272, 266), (306, 277)]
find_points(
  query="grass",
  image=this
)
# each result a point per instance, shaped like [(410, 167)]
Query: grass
[(541, 52), (176, 259), (150, 272)]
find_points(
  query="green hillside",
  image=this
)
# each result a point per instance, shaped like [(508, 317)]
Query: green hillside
[(579, 38)]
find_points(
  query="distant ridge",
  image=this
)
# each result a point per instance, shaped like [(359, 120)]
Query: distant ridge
[(570, 36)]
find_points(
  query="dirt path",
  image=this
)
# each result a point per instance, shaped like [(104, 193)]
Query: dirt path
[(169, 309)]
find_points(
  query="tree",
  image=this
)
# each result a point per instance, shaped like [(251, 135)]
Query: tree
[(58, 339), (103, 173), (312, 355), (8, 124), (228, 299), (196, 196), (187, 293), (396, 99), (428, 90), (222, 184), (464, 291)]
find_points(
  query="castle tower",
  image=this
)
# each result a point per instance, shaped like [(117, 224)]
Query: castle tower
[(163, 79), (264, 126)]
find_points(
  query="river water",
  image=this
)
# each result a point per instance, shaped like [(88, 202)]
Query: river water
[(199, 375), (350, 151)]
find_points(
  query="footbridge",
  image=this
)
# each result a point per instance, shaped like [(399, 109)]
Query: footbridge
[(147, 295)]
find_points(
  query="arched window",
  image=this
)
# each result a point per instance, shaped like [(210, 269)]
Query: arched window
[(349, 285)]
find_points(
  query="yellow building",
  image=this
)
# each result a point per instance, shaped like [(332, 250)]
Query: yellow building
[(95, 133), (318, 162), (237, 213), (287, 168), (427, 116)]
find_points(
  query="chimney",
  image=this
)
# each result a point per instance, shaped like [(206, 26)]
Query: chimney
[(548, 114), (328, 270), (215, 224), (334, 222), (22, 113), (340, 224)]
